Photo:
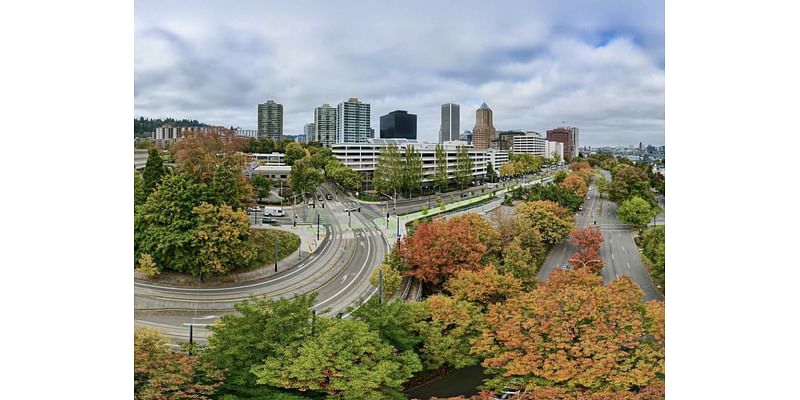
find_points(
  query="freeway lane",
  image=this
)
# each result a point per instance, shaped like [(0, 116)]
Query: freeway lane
[(619, 252)]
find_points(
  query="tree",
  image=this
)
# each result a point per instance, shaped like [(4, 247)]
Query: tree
[(491, 174), (588, 241), (153, 171), (552, 221), (342, 175), (575, 184), (412, 174), (463, 166), (440, 174), (559, 176), (438, 249), (220, 237), (139, 196), (627, 182), (294, 152), (484, 287), (653, 240), (487, 235), (393, 321), (320, 157), (262, 185), (447, 331), (519, 262), (574, 334), (346, 360), (147, 266), (508, 169), (199, 154), (228, 185), (304, 177), (159, 374), (392, 279), (556, 157), (636, 211), (260, 329), (440, 202), (389, 170)]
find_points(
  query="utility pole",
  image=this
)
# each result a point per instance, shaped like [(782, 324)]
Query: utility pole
[(317, 225), (277, 243), (380, 285), (191, 337)]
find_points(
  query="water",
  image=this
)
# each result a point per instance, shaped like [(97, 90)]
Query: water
[(462, 381)]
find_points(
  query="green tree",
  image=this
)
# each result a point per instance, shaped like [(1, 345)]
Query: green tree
[(320, 157), (389, 171), (653, 249), (556, 157), (491, 174), (345, 359), (629, 181), (229, 186), (560, 176), (636, 211), (447, 330), (552, 221), (262, 185), (153, 171), (391, 279), (220, 237), (440, 174), (304, 177), (294, 152), (463, 167), (342, 175), (139, 196), (393, 321), (160, 374), (412, 174), (519, 262), (262, 328)]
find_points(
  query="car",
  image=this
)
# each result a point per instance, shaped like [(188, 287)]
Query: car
[(269, 220), (580, 208), (320, 198), (255, 209), (273, 212), (463, 195), (491, 186), (506, 394), (328, 196), (563, 267), (588, 197), (311, 202)]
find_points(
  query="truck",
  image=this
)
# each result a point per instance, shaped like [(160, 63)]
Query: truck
[(273, 212)]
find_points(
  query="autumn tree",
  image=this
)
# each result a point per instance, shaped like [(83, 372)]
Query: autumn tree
[(487, 235), (345, 359), (160, 374), (552, 221), (448, 329), (220, 237), (228, 185), (588, 241), (574, 334), (485, 286), (438, 249), (628, 182), (519, 262), (392, 279), (575, 184), (199, 154), (259, 330), (153, 171)]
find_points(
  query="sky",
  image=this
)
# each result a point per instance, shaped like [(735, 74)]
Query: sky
[(538, 65)]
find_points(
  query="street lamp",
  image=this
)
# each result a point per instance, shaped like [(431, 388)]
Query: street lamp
[(191, 328)]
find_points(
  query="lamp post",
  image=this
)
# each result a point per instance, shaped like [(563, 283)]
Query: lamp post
[(277, 243), (191, 329)]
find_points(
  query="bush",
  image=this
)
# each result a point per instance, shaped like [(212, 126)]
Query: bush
[(147, 266), (263, 242)]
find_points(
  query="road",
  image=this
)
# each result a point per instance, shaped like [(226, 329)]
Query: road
[(338, 272), (619, 252)]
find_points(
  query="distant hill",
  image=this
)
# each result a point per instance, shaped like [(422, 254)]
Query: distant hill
[(144, 127)]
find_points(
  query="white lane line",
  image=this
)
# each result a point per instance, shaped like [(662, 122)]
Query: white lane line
[(564, 251), (366, 260), (616, 274), (343, 278), (623, 248), (629, 265), (612, 256)]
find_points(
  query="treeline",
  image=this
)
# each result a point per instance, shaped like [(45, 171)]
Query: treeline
[(142, 127)]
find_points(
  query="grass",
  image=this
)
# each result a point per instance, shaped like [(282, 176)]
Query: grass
[(263, 241)]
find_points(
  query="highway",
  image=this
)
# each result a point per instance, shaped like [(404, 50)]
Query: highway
[(338, 271), (619, 252)]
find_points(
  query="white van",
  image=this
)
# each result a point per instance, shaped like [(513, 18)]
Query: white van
[(273, 212)]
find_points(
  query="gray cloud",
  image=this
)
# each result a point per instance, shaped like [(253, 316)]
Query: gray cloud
[(596, 66)]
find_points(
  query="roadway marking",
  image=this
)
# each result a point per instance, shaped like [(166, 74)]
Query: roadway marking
[(623, 248), (616, 274), (612, 256), (366, 260), (343, 278), (564, 251), (629, 265)]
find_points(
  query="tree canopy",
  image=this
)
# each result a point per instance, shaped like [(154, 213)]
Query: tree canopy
[(550, 219)]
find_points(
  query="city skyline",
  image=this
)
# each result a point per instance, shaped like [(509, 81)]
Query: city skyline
[(596, 67)]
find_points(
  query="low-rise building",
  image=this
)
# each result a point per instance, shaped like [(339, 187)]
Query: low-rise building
[(274, 172), (140, 158), (363, 157), (273, 158)]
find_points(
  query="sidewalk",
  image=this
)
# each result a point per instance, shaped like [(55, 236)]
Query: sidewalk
[(308, 244)]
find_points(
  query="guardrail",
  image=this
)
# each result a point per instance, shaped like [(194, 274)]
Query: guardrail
[(407, 288)]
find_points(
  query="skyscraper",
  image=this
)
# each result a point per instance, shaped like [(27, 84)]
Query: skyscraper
[(270, 120), (568, 136), (451, 123), (308, 131), (325, 125), (399, 125), (483, 132), (352, 122)]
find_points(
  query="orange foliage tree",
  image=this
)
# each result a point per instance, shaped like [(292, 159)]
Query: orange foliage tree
[(574, 335), (653, 391), (200, 153), (551, 220), (588, 241), (576, 184), (436, 250)]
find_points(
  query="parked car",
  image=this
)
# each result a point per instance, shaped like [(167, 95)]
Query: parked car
[(255, 209), (563, 267), (320, 198), (464, 195), (273, 212), (328, 196), (311, 202), (269, 220)]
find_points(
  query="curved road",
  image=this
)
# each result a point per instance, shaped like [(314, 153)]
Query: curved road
[(338, 272)]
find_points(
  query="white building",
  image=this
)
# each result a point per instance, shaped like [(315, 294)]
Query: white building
[(140, 158), (274, 172), (247, 133), (325, 125), (363, 157), (554, 147), (352, 122), (530, 143), (308, 131), (273, 158)]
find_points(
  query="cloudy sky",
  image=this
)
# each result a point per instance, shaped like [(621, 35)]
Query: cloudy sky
[(597, 65)]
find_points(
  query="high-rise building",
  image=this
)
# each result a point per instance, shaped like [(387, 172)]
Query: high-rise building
[(270, 120), (568, 136), (325, 125), (451, 123), (352, 122), (483, 132), (466, 136), (308, 131), (505, 139), (399, 125)]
